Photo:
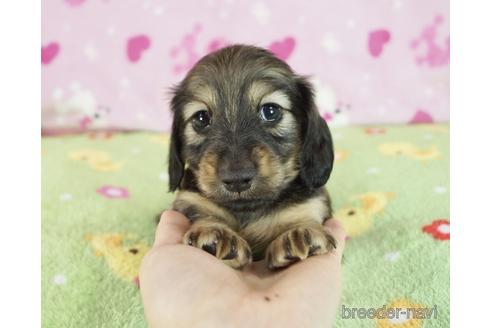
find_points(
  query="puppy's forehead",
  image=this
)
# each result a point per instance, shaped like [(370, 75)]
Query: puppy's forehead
[(233, 93), (261, 92), (232, 72), (249, 95)]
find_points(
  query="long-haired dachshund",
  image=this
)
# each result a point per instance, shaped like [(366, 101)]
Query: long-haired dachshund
[(250, 156)]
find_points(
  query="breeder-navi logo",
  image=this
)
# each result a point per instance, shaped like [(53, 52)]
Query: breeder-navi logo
[(392, 313)]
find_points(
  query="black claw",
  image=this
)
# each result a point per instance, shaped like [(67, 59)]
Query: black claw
[(192, 239), (232, 255), (248, 253), (218, 234), (332, 241), (287, 247), (210, 248), (307, 237), (234, 244), (292, 258), (313, 249)]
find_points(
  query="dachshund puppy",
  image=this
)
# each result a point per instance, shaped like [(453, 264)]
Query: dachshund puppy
[(250, 156)]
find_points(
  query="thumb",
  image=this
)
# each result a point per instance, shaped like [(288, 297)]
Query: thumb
[(172, 226)]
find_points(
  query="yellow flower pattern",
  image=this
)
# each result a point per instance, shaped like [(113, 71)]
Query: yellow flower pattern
[(96, 159)]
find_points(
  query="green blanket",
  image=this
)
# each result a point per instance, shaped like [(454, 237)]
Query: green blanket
[(101, 193)]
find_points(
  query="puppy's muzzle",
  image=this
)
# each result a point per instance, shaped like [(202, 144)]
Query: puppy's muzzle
[(237, 177)]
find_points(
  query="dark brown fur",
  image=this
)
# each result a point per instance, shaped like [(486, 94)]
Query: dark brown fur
[(282, 212)]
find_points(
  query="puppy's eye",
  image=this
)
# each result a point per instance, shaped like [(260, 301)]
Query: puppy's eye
[(201, 120), (270, 112)]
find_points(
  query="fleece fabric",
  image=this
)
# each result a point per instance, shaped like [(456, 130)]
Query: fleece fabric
[(102, 191)]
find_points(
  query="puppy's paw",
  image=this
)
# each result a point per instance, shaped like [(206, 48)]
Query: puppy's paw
[(220, 241), (298, 244)]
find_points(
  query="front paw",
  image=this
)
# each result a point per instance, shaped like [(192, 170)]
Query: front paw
[(298, 244), (220, 241)]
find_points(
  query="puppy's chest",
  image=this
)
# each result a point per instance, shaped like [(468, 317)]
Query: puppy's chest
[(246, 218), (260, 228)]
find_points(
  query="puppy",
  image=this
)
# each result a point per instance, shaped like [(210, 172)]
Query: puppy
[(250, 156)]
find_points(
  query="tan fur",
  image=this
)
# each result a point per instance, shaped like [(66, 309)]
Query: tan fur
[(285, 126), (209, 209), (262, 231), (257, 91), (219, 240), (298, 244), (276, 173), (193, 107), (275, 72), (270, 166), (189, 110), (277, 97), (261, 93), (205, 95), (192, 138), (232, 85), (207, 173)]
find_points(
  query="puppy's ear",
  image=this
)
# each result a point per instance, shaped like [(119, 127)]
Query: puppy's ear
[(176, 163), (316, 158)]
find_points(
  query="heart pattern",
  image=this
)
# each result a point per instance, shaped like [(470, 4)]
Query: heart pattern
[(377, 41), (49, 52), (379, 64), (136, 46), (283, 49), (327, 116), (420, 117)]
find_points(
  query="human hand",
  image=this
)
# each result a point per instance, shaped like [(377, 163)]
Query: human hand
[(183, 286)]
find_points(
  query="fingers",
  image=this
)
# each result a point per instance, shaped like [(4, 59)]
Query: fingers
[(307, 274), (335, 228), (171, 228)]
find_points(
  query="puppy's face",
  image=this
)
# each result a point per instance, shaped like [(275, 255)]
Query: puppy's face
[(246, 126)]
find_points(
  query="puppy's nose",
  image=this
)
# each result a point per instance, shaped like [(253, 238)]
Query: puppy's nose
[(238, 180)]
